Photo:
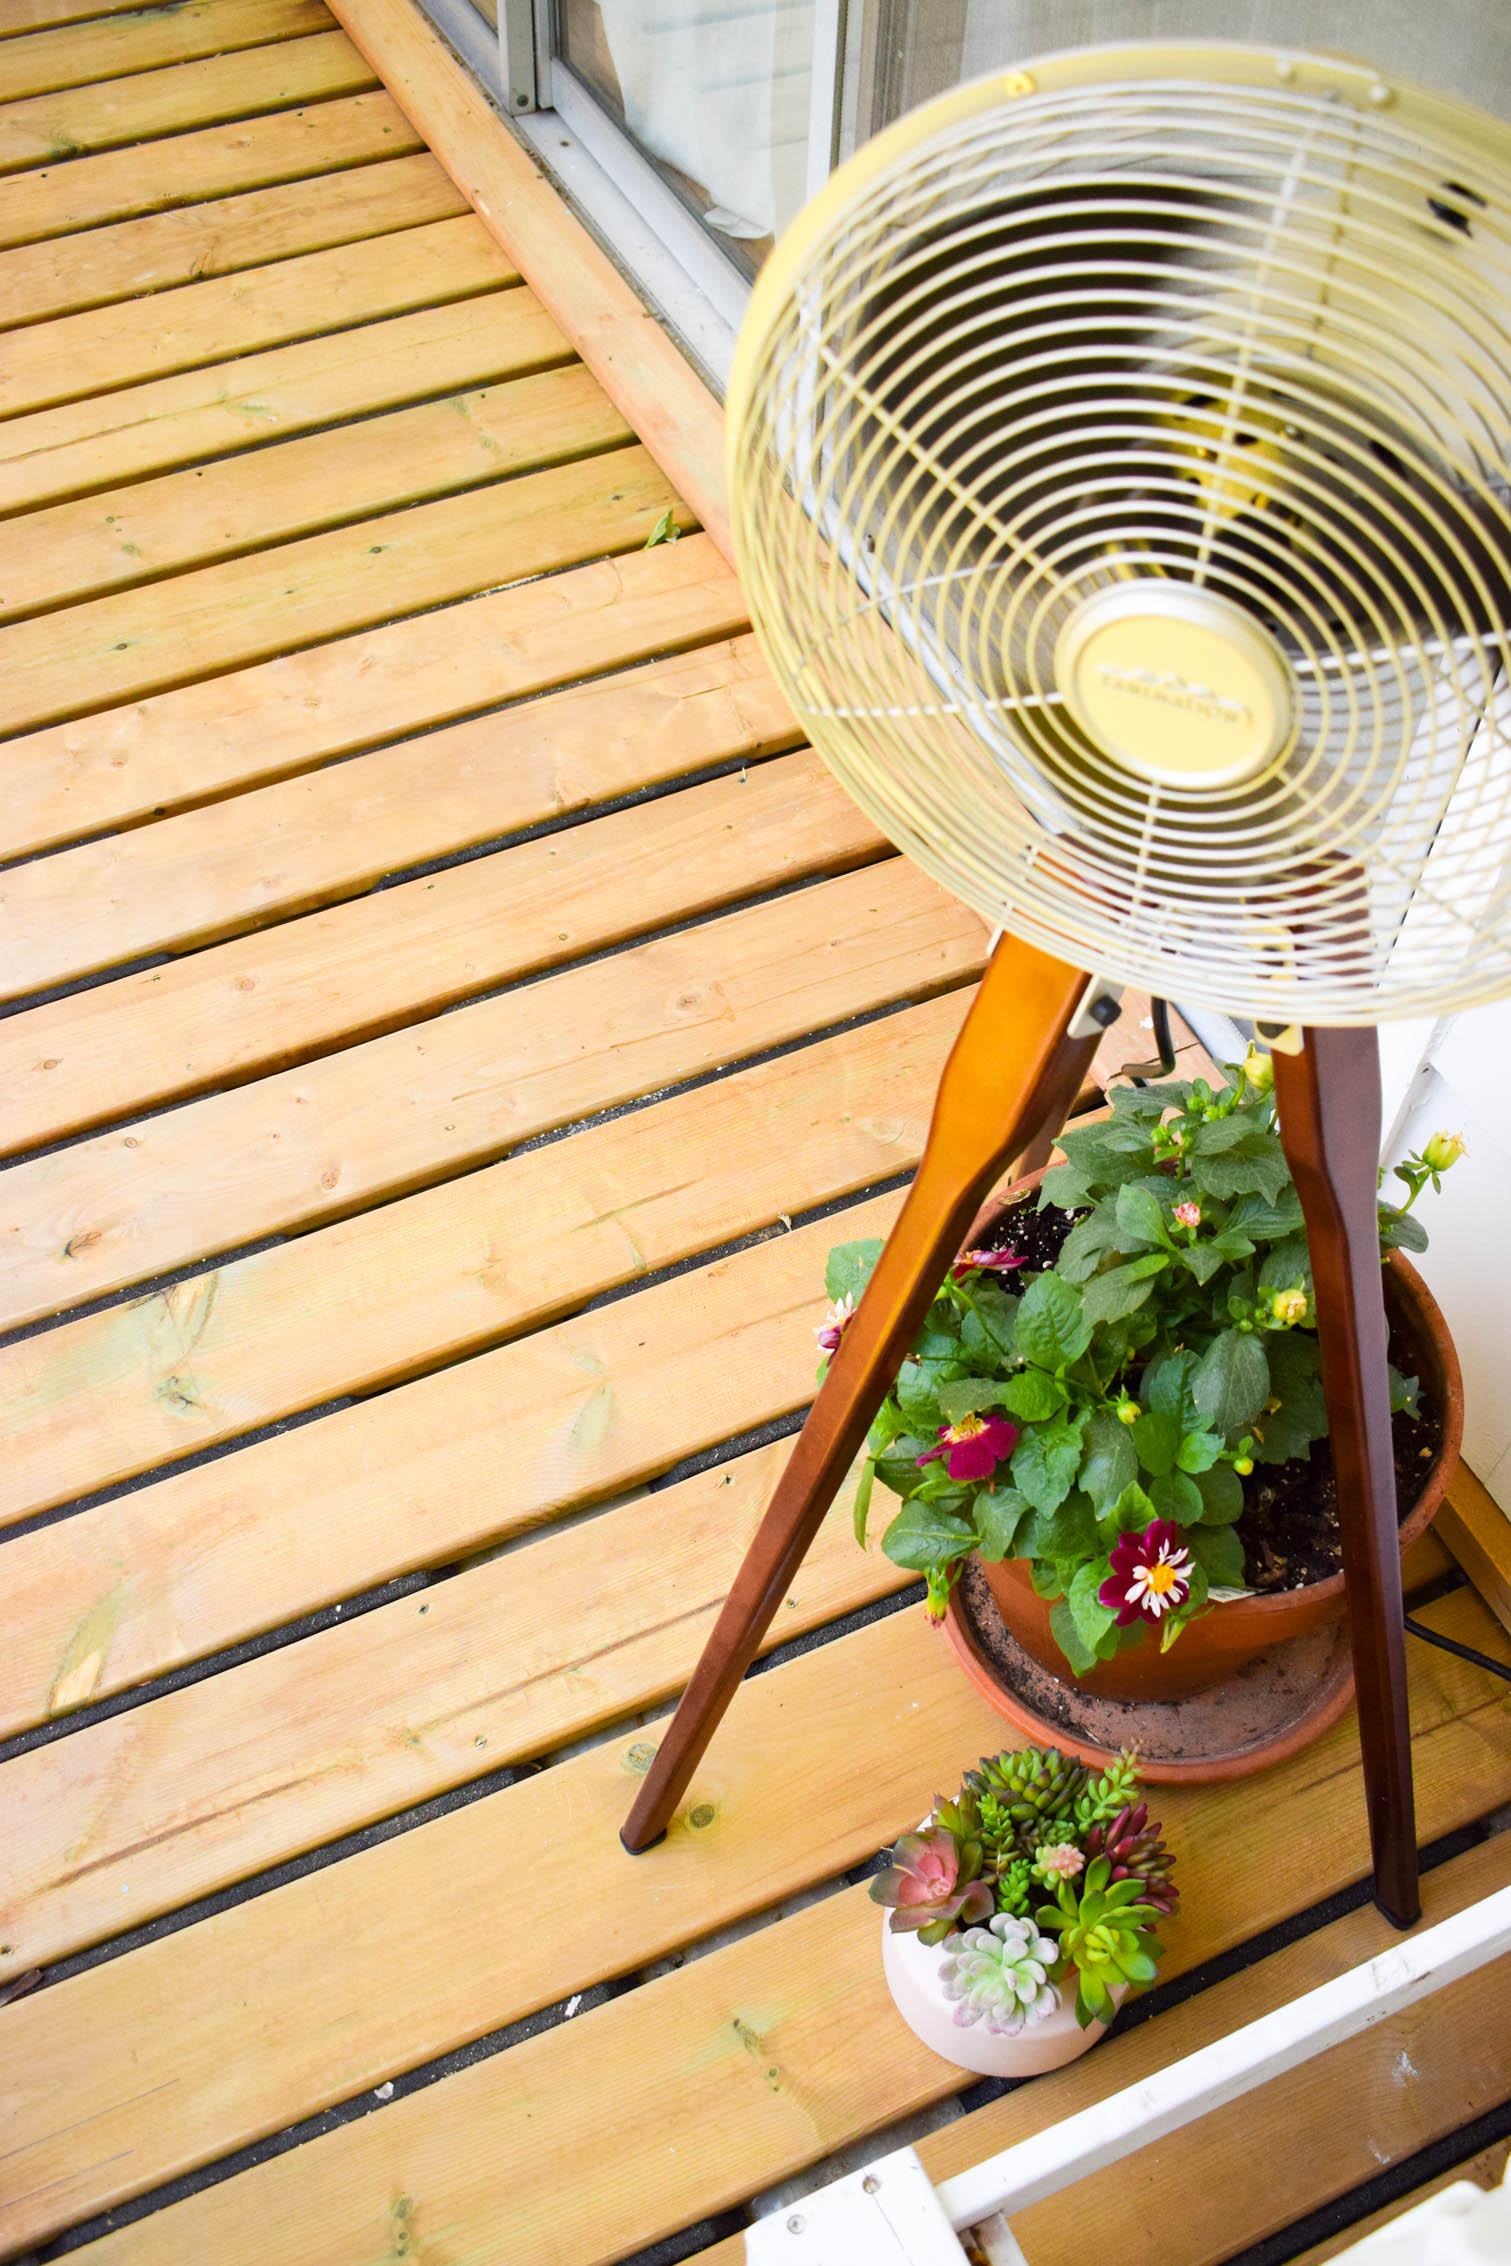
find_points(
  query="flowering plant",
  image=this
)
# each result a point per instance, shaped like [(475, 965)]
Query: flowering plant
[(1098, 1416), (1067, 1879)]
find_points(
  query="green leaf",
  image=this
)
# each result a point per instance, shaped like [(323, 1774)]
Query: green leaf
[(1147, 1103), (1156, 1437), (989, 1329), (1130, 1514), (1140, 1216), (918, 1388), (1401, 1231), (849, 1268), (1405, 1392), (1045, 1463), (1295, 1360), (1092, 1619), (1111, 1150), (863, 1499), (1219, 1553), (1280, 1436), (923, 1537), (1167, 1385), (1032, 1396), (1216, 1135), (999, 1515), (1063, 1537), (1067, 1636), (1221, 1492), (1110, 1464), (1232, 1383), (1198, 1451), (1082, 1250), (1224, 1249), (1063, 1188), (1265, 1221), (1122, 1290), (967, 1396), (1052, 1330), (898, 1469), (665, 530), (1176, 1497), (889, 1425), (1253, 1166), (1287, 1266)]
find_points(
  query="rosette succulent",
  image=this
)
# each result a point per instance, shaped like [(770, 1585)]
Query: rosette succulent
[(1134, 1850), (1104, 1927), (999, 1975), (933, 1884)]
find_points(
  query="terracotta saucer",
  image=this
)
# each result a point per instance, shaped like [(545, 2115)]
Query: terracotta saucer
[(1278, 1702)]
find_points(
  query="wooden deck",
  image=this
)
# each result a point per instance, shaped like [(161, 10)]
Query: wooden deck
[(450, 1016)]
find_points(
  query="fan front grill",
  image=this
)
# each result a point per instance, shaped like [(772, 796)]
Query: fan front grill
[(1235, 336)]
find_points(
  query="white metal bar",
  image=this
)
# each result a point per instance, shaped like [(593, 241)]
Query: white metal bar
[(1231, 2066), (886, 2215), (824, 84)]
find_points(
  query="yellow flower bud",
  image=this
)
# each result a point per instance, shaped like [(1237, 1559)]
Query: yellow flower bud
[(1258, 1071), (1129, 1412), (1289, 1306), (1443, 1150)]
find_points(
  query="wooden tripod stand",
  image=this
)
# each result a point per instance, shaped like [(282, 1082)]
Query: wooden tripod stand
[(1012, 1075)]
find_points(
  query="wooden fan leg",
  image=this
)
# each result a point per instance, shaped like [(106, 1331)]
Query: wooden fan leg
[(1013, 1069), (1329, 1099)]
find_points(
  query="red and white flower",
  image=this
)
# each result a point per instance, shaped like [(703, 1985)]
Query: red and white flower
[(1188, 1214), (987, 1263), (835, 1323), (1151, 1574), (973, 1448)]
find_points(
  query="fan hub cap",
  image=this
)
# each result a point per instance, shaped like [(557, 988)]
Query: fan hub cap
[(1176, 683)]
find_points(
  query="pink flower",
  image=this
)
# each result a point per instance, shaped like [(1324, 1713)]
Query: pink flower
[(974, 1447), (835, 1323), (1189, 1215), (1151, 1574), (987, 1263), (1058, 1860)]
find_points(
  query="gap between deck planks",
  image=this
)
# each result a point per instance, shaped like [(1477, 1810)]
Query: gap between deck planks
[(56, 557), (220, 412), (290, 145), (202, 742), (112, 47), (309, 1145), (178, 97), (236, 864), (76, 273), (78, 358), (306, 1973), (390, 1293)]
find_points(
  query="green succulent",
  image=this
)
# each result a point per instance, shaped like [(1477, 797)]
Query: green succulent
[(1029, 1793), (1106, 1934), (1104, 1797), (999, 1975), (1016, 1887)]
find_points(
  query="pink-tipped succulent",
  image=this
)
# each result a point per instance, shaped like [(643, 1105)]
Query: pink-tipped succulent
[(932, 1885), (1132, 1846), (973, 1448)]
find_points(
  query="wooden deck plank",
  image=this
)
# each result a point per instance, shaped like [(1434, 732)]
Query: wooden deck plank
[(108, 439), (392, 1293), (183, 521), (43, 128), (297, 710), (115, 46), (37, 15), (218, 161), (507, 1660), (627, 349), (1478, 1533), (249, 609), (136, 2052), (332, 833), (311, 1144), (136, 258), (207, 1556), (81, 356), (380, 961)]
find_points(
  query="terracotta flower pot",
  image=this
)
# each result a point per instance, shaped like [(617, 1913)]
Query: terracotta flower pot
[(1217, 1642), (912, 1972)]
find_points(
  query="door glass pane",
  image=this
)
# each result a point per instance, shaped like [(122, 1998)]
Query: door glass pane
[(717, 92)]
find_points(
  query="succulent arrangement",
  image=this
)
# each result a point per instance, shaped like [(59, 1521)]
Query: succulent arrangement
[(1099, 1417), (1039, 1870)]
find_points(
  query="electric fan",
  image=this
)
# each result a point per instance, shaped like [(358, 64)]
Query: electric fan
[(1119, 458)]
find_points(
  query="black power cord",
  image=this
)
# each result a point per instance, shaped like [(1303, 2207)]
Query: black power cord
[(1463, 1651), (1164, 1061)]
